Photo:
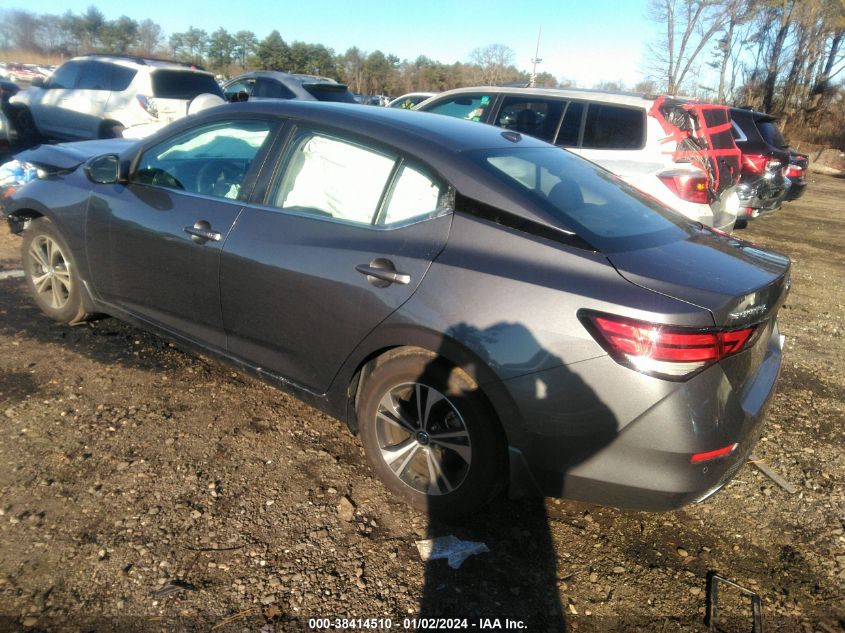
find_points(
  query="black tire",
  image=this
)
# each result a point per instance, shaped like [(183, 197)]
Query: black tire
[(407, 383), (50, 273), (26, 133)]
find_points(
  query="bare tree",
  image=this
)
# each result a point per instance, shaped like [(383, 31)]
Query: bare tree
[(493, 60), (689, 25)]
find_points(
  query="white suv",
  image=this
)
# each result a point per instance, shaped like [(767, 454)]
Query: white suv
[(678, 151), (98, 96)]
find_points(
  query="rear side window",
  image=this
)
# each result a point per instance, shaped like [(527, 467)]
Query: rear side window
[(331, 177), (771, 133), (330, 92), (271, 89), (535, 117), (66, 75), (470, 107), (613, 127), (183, 84)]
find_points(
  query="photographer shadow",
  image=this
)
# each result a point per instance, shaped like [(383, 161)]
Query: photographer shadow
[(518, 583)]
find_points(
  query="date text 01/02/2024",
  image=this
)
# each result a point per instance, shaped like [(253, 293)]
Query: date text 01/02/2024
[(481, 624)]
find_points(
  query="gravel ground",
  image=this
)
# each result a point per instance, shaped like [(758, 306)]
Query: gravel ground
[(142, 488)]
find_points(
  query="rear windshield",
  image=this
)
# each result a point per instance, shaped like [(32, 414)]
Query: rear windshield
[(183, 84), (589, 200), (330, 92), (771, 133)]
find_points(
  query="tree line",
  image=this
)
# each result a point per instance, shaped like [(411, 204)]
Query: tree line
[(60, 36), (785, 57)]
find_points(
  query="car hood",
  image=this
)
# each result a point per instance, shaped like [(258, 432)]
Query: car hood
[(738, 282), (70, 155)]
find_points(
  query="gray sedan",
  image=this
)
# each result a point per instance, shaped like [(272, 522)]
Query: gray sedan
[(487, 311)]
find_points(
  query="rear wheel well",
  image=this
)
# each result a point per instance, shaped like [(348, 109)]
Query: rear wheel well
[(379, 357)]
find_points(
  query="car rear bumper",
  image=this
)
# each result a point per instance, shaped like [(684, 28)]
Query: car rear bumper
[(644, 463), (796, 190), (762, 196)]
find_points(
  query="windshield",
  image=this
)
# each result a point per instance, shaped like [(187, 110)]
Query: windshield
[(184, 84), (596, 204)]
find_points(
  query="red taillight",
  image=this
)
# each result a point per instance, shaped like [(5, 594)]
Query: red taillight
[(667, 351), (147, 104), (794, 171), (755, 163), (697, 458), (688, 187)]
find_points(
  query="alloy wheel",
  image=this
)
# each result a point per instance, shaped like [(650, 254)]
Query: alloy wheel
[(423, 438), (50, 272)]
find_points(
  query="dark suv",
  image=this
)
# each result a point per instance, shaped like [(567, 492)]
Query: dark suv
[(765, 158), (270, 84)]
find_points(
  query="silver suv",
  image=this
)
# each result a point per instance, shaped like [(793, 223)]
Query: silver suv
[(675, 150), (99, 96)]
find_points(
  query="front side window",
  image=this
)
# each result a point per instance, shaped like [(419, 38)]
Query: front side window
[(470, 107), (65, 76), (613, 127), (243, 85), (331, 177), (536, 117), (211, 160)]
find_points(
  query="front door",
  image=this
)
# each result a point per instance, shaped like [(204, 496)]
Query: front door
[(154, 245)]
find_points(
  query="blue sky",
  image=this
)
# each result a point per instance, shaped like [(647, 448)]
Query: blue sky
[(586, 41)]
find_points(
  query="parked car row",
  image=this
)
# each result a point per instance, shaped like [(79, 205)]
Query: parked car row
[(716, 165), (689, 155), (24, 72)]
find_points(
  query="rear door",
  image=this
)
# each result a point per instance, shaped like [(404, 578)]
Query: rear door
[(343, 237), (535, 116)]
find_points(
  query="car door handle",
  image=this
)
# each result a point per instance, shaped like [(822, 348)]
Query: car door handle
[(202, 232), (381, 273)]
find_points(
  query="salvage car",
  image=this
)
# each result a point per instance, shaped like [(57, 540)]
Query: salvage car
[(679, 151), (485, 310), (765, 159)]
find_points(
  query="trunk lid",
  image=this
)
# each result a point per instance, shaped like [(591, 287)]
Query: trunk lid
[(739, 283)]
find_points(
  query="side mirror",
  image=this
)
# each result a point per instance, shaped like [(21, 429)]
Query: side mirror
[(237, 97), (38, 82), (105, 170)]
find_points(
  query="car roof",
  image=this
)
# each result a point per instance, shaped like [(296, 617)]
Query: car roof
[(134, 61), (625, 98), (278, 74), (401, 128)]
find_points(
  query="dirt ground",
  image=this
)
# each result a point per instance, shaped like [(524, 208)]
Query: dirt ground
[(142, 488)]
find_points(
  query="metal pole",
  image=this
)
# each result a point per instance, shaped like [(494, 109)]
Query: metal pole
[(535, 60)]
